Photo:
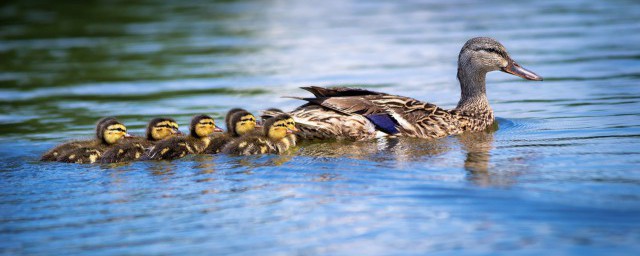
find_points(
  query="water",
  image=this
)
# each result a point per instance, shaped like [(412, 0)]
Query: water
[(560, 175)]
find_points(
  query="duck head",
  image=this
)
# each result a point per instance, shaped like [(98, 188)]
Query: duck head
[(241, 123), (276, 128), (227, 118), (110, 131), (161, 128), (483, 54), (203, 126)]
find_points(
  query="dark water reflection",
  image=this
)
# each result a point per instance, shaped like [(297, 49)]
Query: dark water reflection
[(559, 175)]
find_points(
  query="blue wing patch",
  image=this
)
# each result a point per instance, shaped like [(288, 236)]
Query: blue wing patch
[(383, 122)]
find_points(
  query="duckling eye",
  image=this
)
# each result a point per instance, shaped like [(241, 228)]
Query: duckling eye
[(164, 126), (207, 123), (118, 130)]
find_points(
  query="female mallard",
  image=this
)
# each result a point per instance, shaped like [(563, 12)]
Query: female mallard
[(239, 122), (133, 148), (63, 148), (273, 141), (347, 113), (202, 126), (109, 132)]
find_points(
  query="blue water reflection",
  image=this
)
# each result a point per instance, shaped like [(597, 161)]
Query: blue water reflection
[(558, 176)]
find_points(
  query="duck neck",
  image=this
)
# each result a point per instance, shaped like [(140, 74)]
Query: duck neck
[(473, 96)]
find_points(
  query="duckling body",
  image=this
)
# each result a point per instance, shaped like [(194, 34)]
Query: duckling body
[(273, 141), (134, 148), (54, 153), (202, 126), (239, 123), (110, 133), (358, 114), (63, 149)]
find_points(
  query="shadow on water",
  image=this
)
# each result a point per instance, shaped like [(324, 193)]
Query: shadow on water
[(477, 149)]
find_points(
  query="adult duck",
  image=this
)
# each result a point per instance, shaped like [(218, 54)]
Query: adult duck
[(358, 114)]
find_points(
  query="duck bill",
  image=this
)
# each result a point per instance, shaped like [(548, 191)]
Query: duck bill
[(289, 132), (126, 135), (177, 132), (515, 69), (294, 129), (217, 129)]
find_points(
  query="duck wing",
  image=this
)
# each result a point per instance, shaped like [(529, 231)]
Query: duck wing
[(390, 114), (338, 91)]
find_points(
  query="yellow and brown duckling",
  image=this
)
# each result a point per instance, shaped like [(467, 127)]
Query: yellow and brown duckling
[(133, 148), (200, 130), (63, 149), (291, 124), (109, 132), (239, 123), (273, 141)]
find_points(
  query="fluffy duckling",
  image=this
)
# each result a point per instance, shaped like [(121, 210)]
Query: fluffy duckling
[(239, 123), (291, 124), (63, 149), (133, 148), (274, 140), (202, 126), (109, 133)]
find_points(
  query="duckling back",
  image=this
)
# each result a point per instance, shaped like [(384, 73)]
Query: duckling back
[(63, 149), (249, 145), (83, 155), (176, 147), (218, 142), (129, 150)]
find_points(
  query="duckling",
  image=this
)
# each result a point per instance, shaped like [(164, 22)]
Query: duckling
[(291, 124), (64, 148), (109, 133), (132, 149), (202, 126), (274, 140), (239, 123)]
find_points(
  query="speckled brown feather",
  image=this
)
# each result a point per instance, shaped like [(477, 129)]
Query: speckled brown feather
[(177, 147), (129, 150), (343, 117)]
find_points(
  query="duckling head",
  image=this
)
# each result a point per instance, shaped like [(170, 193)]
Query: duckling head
[(277, 128), (227, 118), (483, 54), (291, 124), (203, 126), (111, 131), (242, 122), (161, 128), (101, 123)]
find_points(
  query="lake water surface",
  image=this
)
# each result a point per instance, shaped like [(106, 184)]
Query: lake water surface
[(561, 174)]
